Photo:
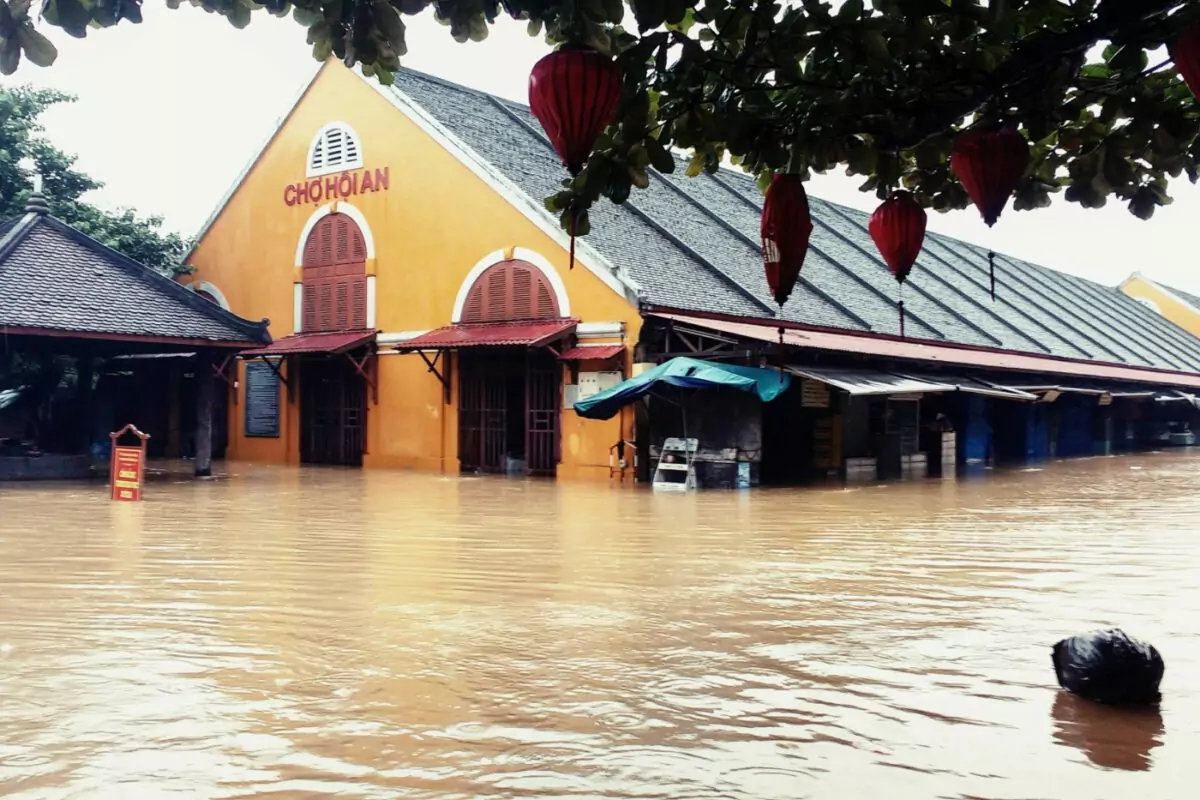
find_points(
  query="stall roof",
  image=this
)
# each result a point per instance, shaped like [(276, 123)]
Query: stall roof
[(312, 343), (929, 352), (971, 385), (686, 373), (869, 381), (529, 333)]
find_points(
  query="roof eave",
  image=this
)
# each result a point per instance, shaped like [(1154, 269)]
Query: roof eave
[(931, 343)]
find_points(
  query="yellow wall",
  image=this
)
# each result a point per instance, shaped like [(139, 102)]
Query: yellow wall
[(1172, 308), (430, 227)]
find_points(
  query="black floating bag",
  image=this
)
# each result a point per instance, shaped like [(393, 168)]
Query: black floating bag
[(1109, 666)]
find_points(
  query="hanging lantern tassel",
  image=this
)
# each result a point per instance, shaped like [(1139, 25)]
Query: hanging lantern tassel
[(571, 266), (989, 165), (992, 271), (898, 228), (782, 356)]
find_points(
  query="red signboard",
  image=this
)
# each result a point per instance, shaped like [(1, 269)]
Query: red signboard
[(127, 467)]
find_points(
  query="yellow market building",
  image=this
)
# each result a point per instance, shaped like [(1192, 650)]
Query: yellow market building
[(424, 315)]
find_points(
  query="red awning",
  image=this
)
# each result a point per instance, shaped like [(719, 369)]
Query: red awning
[(531, 333), (307, 343), (595, 353)]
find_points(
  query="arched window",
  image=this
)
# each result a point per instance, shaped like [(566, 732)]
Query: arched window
[(335, 148), (334, 276), (510, 290)]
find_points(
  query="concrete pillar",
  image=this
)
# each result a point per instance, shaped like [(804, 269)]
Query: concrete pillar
[(205, 403)]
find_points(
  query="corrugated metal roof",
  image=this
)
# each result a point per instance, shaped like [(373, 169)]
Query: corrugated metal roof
[(530, 333), (592, 352), (301, 343), (55, 278), (693, 244)]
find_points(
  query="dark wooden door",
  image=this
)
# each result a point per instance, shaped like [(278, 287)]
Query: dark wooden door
[(483, 413), (333, 412), (543, 382)]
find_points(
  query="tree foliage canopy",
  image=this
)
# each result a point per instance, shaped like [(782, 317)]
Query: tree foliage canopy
[(140, 238), (880, 87)]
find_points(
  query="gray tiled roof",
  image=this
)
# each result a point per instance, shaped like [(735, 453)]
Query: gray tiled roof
[(55, 277), (693, 244)]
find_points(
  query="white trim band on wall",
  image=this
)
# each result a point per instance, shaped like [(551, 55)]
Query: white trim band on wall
[(370, 301), (600, 330), (297, 307), (519, 254)]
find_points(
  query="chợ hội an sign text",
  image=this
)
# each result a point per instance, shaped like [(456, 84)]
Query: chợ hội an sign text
[(337, 187)]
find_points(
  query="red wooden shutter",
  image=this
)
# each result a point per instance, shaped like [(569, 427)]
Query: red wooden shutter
[(334, 276), (510, 290), (310, 307), (358, 302)]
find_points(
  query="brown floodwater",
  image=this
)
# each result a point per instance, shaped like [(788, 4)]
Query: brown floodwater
[(286, 633)]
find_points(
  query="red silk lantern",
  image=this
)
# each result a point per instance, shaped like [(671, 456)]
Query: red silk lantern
[(786, 226), (898, 228), (574, 93), (1186, 54), (989, 165)]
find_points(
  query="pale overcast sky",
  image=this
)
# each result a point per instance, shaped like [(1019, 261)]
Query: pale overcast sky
[(171, 110)]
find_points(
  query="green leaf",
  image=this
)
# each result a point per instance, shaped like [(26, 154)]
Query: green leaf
[(660, 158), (850, 11), (37, 48), (696, 165)]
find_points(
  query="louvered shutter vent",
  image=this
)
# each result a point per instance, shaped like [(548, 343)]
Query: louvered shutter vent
[(358, 302), (335, 150), (510, 290), (342, 306)]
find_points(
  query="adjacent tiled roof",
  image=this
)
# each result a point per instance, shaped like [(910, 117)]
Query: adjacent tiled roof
[(693, 244), (53, 277)]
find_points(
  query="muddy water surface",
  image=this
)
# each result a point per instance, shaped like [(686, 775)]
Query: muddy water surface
[(318, 633)]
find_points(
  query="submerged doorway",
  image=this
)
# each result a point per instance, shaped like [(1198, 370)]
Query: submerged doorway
[(508, 413), (333, 412)]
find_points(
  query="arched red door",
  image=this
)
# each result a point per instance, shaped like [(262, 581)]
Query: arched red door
[(333, 396), (509, 399)]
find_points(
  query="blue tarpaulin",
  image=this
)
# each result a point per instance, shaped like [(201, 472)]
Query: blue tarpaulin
[(687, 373)]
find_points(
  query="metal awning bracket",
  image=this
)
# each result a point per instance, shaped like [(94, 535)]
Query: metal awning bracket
[(443, 374), (366, 367)]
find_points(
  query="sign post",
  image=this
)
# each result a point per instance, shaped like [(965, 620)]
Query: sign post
[(127, 466)]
